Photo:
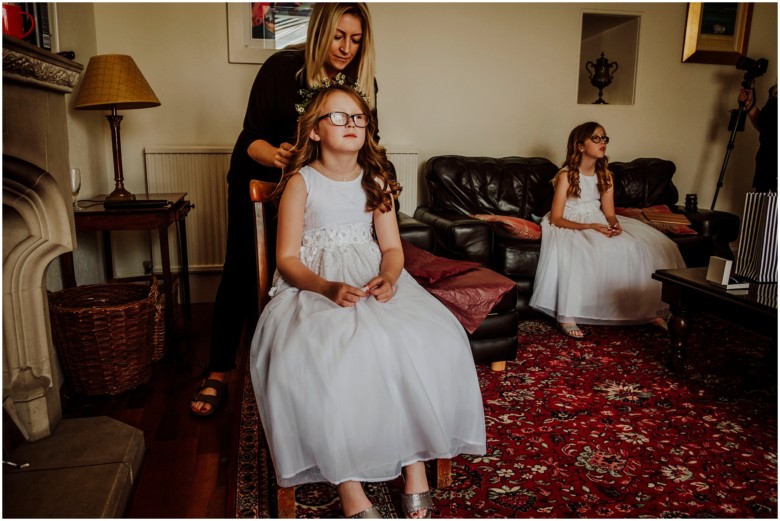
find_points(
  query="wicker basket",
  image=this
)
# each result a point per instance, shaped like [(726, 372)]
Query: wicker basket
[(103, 335), (159, 335)]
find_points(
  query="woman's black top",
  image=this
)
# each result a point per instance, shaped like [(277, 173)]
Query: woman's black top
[(766, 159), (270, 115)]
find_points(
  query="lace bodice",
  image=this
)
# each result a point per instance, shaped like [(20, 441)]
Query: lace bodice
[(589, 202), (333, 203), (314, 241), (337, 229), (335, 214)]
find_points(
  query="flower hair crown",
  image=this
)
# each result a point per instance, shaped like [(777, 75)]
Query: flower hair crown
[(316, 88)]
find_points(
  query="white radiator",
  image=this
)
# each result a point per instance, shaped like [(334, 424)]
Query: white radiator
[(201, 171), (405, 161)]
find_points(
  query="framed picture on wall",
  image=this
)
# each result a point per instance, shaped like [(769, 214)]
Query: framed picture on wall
[(256, 30), (716, 32)]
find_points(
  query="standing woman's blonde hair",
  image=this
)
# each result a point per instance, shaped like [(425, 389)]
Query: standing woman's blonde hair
[(322, 29)]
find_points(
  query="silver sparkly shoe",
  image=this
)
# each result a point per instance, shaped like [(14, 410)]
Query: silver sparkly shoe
[(371, 512), (411, 503)]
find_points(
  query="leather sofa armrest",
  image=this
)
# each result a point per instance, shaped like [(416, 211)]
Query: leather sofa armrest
[(722, 227), (459, 236), (416, 232)]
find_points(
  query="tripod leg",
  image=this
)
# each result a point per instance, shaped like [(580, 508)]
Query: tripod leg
[(729, 148)]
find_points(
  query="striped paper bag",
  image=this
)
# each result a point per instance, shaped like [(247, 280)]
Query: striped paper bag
[(757, 249)]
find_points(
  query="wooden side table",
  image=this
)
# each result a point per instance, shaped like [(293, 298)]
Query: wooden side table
[(138, 217)]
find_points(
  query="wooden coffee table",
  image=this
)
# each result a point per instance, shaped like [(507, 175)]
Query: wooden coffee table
[(687, 291)]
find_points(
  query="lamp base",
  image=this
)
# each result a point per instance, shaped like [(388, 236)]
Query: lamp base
[(120, 194)]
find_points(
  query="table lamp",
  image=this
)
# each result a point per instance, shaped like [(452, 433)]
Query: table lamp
[(111, 82)]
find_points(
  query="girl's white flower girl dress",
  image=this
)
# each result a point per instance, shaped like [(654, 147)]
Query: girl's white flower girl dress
[(356, 393)]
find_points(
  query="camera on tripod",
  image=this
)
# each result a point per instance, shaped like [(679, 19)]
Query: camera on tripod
[(753, 69)]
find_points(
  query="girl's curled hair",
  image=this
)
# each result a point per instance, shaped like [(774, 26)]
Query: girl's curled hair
[(577, 137), (378, 180)]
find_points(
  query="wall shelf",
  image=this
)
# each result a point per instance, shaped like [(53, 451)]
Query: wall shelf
[(617, 36)]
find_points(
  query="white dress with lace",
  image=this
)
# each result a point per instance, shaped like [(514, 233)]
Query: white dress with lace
[(356, 393), (586, 277)]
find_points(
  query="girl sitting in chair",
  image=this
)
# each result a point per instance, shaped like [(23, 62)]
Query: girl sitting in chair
[(359, 373)]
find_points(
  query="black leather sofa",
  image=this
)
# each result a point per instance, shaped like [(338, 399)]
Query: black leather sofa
[(460, 186), (495, 340)]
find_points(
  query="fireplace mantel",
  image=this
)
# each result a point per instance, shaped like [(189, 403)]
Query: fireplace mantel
[(37, 224), (27, 63)]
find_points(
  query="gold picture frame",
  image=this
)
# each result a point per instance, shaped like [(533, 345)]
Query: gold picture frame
[(716, 33)]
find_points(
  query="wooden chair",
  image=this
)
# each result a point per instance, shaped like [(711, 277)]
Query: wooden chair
[(260, 194)]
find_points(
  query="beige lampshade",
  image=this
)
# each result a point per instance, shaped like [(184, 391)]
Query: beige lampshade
[(114, 80)]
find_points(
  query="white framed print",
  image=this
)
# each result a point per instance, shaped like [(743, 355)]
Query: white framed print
[(256, 30)]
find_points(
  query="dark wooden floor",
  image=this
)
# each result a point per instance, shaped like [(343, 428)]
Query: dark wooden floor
[(187, 468)]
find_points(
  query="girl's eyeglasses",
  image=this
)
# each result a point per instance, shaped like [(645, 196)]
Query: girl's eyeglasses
[(598, 139), (340, 119)]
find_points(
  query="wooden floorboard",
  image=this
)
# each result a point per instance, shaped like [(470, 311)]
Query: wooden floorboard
[(187, 465)]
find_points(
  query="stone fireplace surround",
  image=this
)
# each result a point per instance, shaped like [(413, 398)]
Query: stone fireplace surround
[(74, 468)]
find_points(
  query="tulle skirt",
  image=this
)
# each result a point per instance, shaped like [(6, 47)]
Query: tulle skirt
[(589, 278), (357, 393)]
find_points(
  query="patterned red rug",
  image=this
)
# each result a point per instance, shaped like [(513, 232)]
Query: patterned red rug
[(598, 429)]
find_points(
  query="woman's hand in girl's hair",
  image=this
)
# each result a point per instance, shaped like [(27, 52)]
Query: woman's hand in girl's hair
[(602, 228), (343, 294), (380, 288), (282, 155)]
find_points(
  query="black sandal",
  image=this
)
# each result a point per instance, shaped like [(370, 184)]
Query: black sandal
[(213, 400)]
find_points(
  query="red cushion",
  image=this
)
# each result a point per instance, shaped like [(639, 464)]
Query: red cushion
[(428, 268), (467, 289), (670, 228), (472, 295), (514, 226)]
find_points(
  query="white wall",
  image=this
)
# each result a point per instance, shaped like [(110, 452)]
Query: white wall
[(491, 79), (85, 135), (510, 88)]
